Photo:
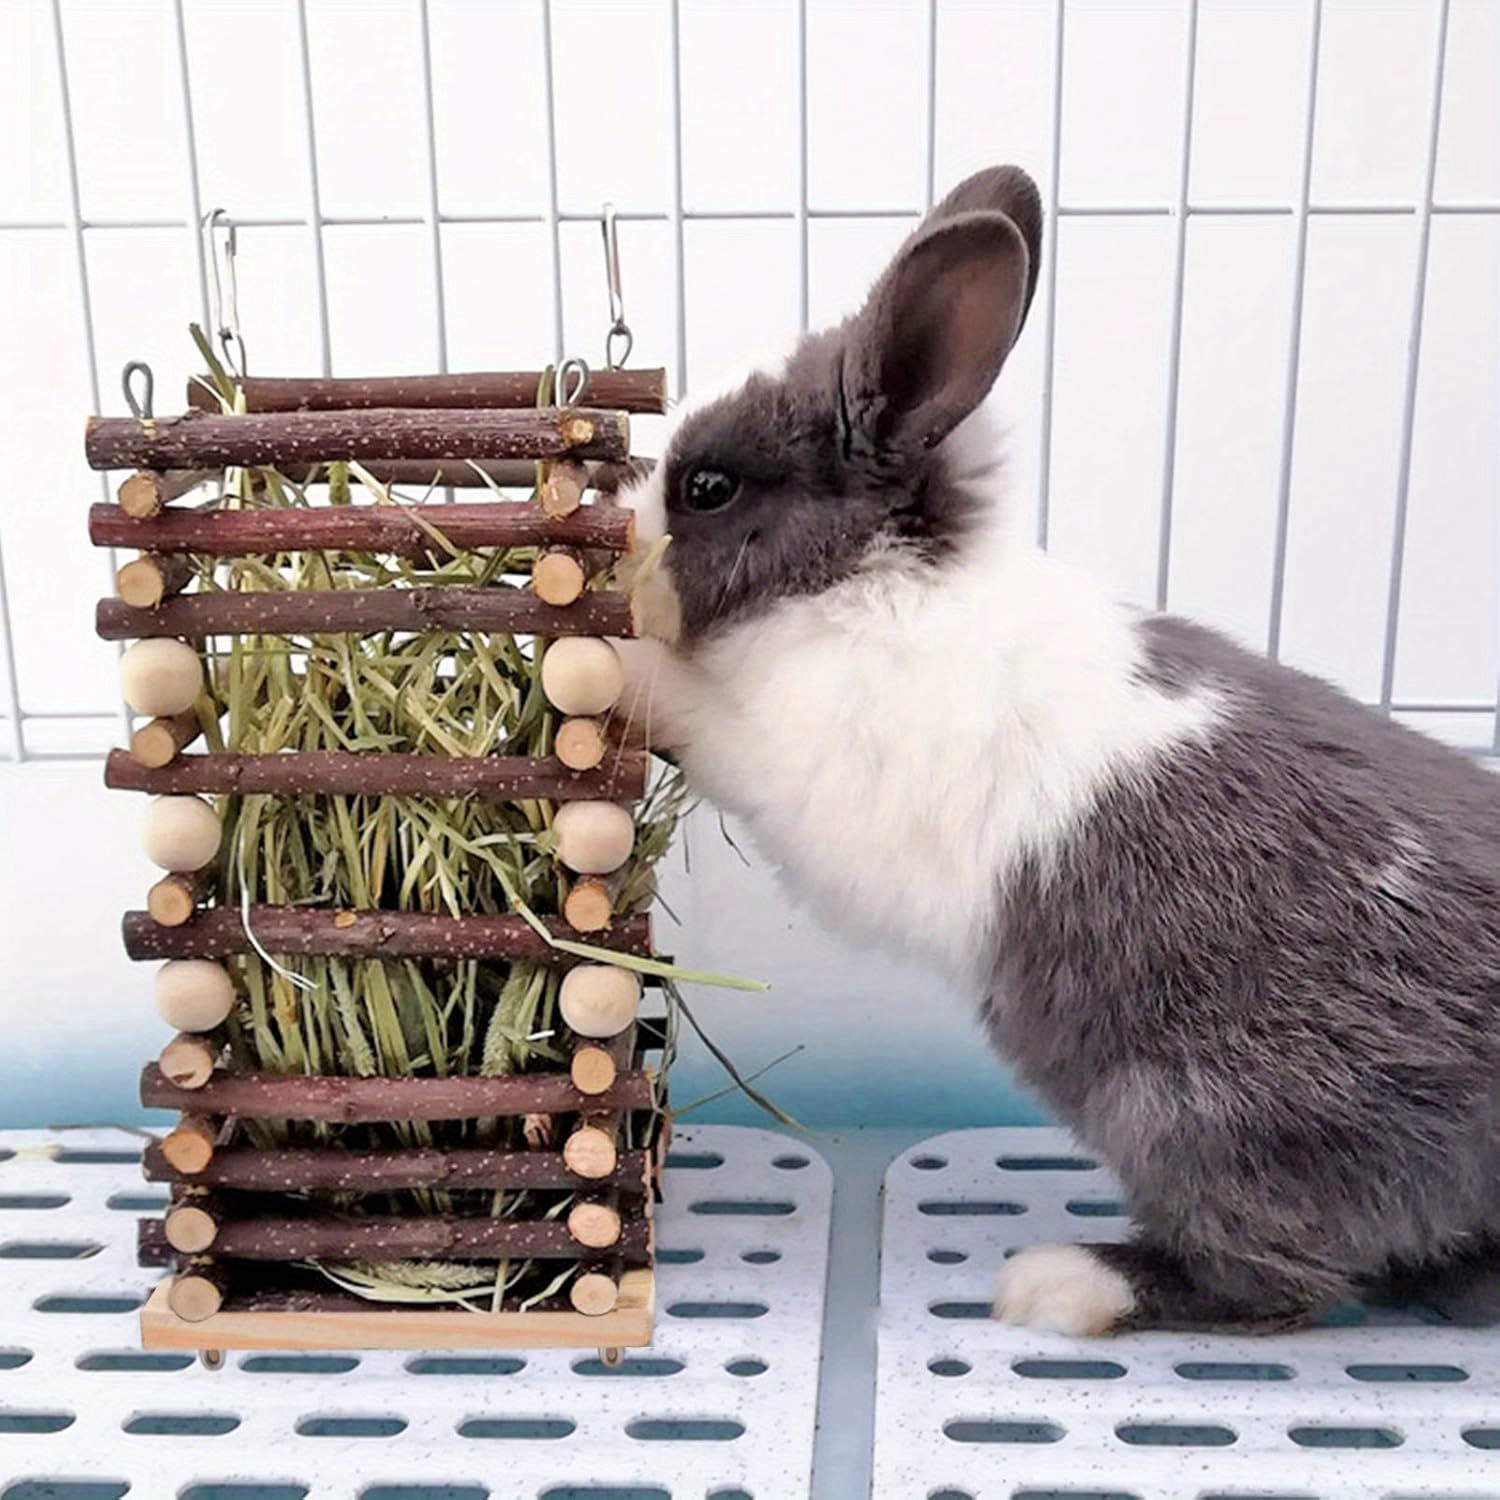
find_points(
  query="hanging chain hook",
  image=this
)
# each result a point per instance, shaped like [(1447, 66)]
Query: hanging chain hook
[(619, 330), (572, 382), (140, 406), (225, 314)]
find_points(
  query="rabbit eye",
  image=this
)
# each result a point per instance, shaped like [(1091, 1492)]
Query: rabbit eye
[(710, 489)]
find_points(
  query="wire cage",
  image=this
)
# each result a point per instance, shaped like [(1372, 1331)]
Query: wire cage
[(1378, 124), (1260, 386)]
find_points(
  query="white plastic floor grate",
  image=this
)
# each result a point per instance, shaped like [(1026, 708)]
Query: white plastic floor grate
[(720, 1408), (966, 1408)]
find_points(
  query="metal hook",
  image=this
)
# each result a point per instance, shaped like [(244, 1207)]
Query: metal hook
[(140, 407), (227, 327), (571, 382), (619, 329)]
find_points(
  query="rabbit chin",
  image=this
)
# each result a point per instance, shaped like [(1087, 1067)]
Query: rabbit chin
[(898, 742)]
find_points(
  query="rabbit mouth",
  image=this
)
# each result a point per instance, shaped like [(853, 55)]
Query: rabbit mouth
[(655, 605)]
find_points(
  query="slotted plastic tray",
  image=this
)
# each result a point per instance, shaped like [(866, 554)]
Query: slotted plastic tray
[(722, 1405), (1386, 1406)]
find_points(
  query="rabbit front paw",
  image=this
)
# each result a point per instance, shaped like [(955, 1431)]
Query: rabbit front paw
[(1063, 1289)]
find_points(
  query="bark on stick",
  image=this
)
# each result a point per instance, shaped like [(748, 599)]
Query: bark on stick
[(497, 608), (219, 932), (379, 773), (384, 1237), (616, 390), (261, 1096), (200, 439), (288, 1169), (401, 530)]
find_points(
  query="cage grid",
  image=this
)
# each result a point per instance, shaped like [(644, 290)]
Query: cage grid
[(760, 1384), (1381, 1402), (1181, 208), (721, 1405)]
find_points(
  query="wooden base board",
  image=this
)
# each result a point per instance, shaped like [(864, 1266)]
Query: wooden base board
[(373, 1326)]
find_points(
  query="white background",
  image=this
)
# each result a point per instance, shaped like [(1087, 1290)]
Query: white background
[(881, 1043)]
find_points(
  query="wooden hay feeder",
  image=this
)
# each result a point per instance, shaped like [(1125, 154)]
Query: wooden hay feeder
[(278, 1173)]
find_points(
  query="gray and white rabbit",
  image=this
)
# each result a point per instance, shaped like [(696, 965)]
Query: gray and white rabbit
[(1242, 934)]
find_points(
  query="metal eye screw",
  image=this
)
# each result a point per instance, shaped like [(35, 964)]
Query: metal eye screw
[(619, 336), (140, 406)]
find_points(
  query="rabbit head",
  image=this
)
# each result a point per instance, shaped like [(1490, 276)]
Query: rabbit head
[(794, 480)]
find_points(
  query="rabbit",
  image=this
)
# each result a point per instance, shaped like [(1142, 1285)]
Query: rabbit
[(1239, 932)]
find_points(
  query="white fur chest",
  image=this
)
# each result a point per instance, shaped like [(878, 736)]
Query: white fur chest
[(896, 744)]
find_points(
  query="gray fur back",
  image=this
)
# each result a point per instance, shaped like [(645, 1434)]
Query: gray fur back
[(1264, 983)]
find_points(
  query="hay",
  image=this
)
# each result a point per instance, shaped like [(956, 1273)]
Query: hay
[(438, 693)]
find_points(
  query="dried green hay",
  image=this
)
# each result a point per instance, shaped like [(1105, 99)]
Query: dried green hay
[(442, 693)]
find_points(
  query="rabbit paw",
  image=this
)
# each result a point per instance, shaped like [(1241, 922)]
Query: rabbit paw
[(1063, 1289)]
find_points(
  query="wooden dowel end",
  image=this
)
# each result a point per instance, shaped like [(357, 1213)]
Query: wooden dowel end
[(592, 1070), (580, 743), (189, 1147), (188, 1061), (590, 1152), (197, 1293), (160, 742), (175, 897), (143, 493), (558, 576), (593, 1293), (562, 491), (190, 1228), (596, 1225), (589, 905)]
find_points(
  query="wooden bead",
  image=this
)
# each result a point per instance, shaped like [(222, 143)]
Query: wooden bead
[(188, 1061), (599, 1000), (161, 677), (582, 675), (593, 1293), (190, 1229), (182, 833), (592, 1070), (590, 1152), (596, 1225), (593, 838), (193, 994), (580, 744)]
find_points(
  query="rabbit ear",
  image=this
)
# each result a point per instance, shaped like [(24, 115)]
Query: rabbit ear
[(1000, 190), (928, 344)]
